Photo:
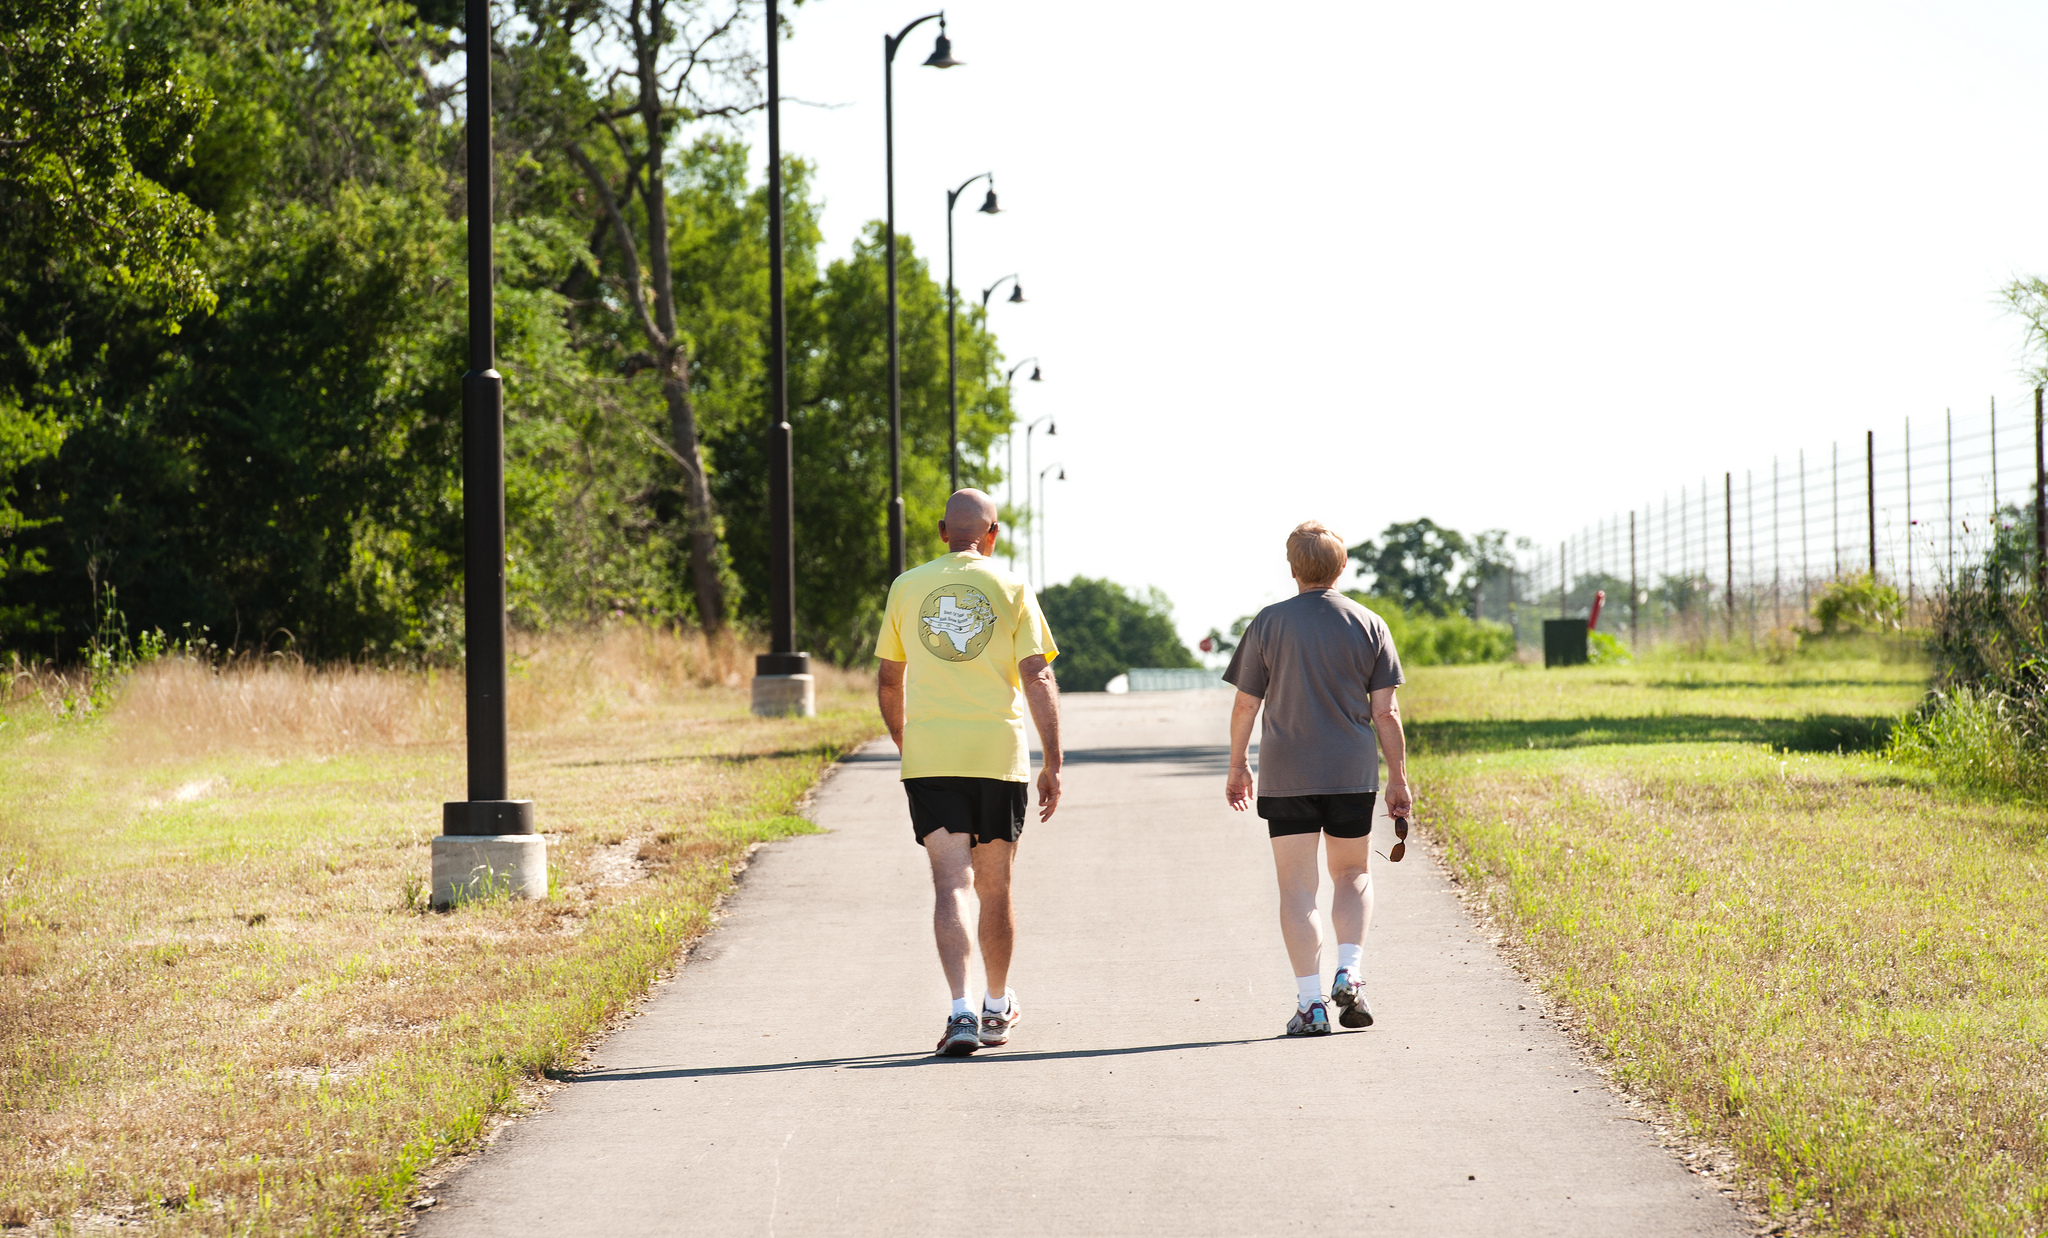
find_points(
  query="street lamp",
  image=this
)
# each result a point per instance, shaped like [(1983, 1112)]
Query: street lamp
[(988, 207), (941, 58), (1031, 512), (1037, 542), (1016, 296), (1010, 439), (782, 676), (487, 841)]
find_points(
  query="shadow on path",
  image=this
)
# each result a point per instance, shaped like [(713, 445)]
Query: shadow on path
[(883, 1061)]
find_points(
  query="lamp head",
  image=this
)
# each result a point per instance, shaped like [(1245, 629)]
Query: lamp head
[(942, 50), (1034, 374), (1052, 427), (988, 205), (1017, 293), (1062, 476)]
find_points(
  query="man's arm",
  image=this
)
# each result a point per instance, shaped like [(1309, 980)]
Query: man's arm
[(889, 694), (1386, 721), (1042, 694), (1237, 789)]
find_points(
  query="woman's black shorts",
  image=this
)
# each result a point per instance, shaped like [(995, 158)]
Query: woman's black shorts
[(1339, 816), (984, 809)]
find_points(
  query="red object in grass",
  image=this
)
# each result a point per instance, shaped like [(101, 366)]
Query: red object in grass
[(1598, 598)]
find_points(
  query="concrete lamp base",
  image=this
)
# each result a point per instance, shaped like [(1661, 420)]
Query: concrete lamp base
[(783, 687), (472, 867)]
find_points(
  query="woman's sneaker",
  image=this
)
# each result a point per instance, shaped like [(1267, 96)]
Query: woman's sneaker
[(1315, 1021), (995, 1028), (963, 1036), (1350, 998)]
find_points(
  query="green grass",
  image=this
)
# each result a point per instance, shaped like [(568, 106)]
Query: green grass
[(1824, 961), (223, 1008)]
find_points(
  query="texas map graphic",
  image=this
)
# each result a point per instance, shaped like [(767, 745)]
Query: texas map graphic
[(958, 621)]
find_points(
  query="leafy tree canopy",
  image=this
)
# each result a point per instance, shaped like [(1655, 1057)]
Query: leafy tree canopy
[(1104, 630)]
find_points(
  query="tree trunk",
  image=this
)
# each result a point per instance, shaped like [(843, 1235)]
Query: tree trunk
[(682, 421)]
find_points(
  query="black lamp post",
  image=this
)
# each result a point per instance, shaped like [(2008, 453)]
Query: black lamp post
[(941, 58), (782, 676), (1038, 540), (1010, 439), (1016, 296), (1052, 428), (988, 207), (487, 838)]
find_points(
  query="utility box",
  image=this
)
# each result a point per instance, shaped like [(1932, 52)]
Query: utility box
[(1564, 642)]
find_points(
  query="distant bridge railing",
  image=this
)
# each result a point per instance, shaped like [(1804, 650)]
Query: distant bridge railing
[(1173, 679)]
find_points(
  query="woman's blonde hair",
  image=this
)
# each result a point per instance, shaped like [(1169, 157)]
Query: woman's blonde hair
[(1315, 553)]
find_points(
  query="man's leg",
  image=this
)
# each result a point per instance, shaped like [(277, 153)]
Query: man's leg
[(998, 930), (1294, 860), (952, 859)]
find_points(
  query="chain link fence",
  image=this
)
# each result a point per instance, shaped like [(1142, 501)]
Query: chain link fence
[(1744, 554)]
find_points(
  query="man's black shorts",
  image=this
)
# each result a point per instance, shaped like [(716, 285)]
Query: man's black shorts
[(1339, 816), (984, 809)]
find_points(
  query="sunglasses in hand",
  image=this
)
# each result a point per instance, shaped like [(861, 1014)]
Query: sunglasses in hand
[(1400, 840)]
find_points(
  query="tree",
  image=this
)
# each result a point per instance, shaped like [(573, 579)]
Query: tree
[(1413, 563), (92, 122), (684, 64), (1103, 631)]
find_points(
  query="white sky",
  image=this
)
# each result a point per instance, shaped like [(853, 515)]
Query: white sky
[(1498, 264)]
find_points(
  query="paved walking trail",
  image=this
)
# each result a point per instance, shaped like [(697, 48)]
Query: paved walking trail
[(783, 1083)]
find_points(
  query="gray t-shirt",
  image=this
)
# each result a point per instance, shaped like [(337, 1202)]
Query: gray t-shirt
[(1315, 660)]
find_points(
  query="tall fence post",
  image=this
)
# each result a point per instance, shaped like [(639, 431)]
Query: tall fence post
[(1635, 631), (2040, 506), (1728, 515), (1870, 492)]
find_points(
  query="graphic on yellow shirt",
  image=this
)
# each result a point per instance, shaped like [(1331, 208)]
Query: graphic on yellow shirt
[(958, 622)]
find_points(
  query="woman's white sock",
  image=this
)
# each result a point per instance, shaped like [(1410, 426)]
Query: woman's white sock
[(1307, 991), (1348, 956)]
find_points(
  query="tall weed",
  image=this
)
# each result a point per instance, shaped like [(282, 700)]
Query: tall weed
[(1984, 727)]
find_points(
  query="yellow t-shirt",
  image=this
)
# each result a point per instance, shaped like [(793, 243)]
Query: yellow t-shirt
[(960, 625)]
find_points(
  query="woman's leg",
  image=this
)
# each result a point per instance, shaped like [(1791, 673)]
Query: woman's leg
[(1294, 861), (1351, 909)]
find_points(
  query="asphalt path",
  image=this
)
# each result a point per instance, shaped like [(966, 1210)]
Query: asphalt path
[(783, 1082)]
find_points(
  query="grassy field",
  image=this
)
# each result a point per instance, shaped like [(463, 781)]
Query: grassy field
[(1822, 960), (223, 1006)]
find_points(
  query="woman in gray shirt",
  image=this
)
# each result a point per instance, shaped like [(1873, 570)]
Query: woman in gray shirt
[(1325, 670)]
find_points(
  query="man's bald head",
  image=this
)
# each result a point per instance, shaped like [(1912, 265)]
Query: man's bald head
[(970, 515)]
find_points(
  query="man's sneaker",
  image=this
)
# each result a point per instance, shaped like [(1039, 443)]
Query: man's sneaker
[(995, 1028), (1350, 998), (963, 1036), (1315, 1021)]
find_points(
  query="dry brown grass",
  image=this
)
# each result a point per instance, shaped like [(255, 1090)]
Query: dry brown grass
[(222, 1008)]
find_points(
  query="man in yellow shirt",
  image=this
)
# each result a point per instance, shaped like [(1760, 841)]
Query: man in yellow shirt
[(964, 649)]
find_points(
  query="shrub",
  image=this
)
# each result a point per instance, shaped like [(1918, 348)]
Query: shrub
[(1859, 603), (1606, 649), (1450, 640)]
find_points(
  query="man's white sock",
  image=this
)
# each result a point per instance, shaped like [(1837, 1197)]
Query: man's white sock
[(997, 1005), (1307, 991), (960, 1006), (1347, 957)]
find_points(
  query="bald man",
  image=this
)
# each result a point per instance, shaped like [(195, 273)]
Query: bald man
[(964, 652)]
